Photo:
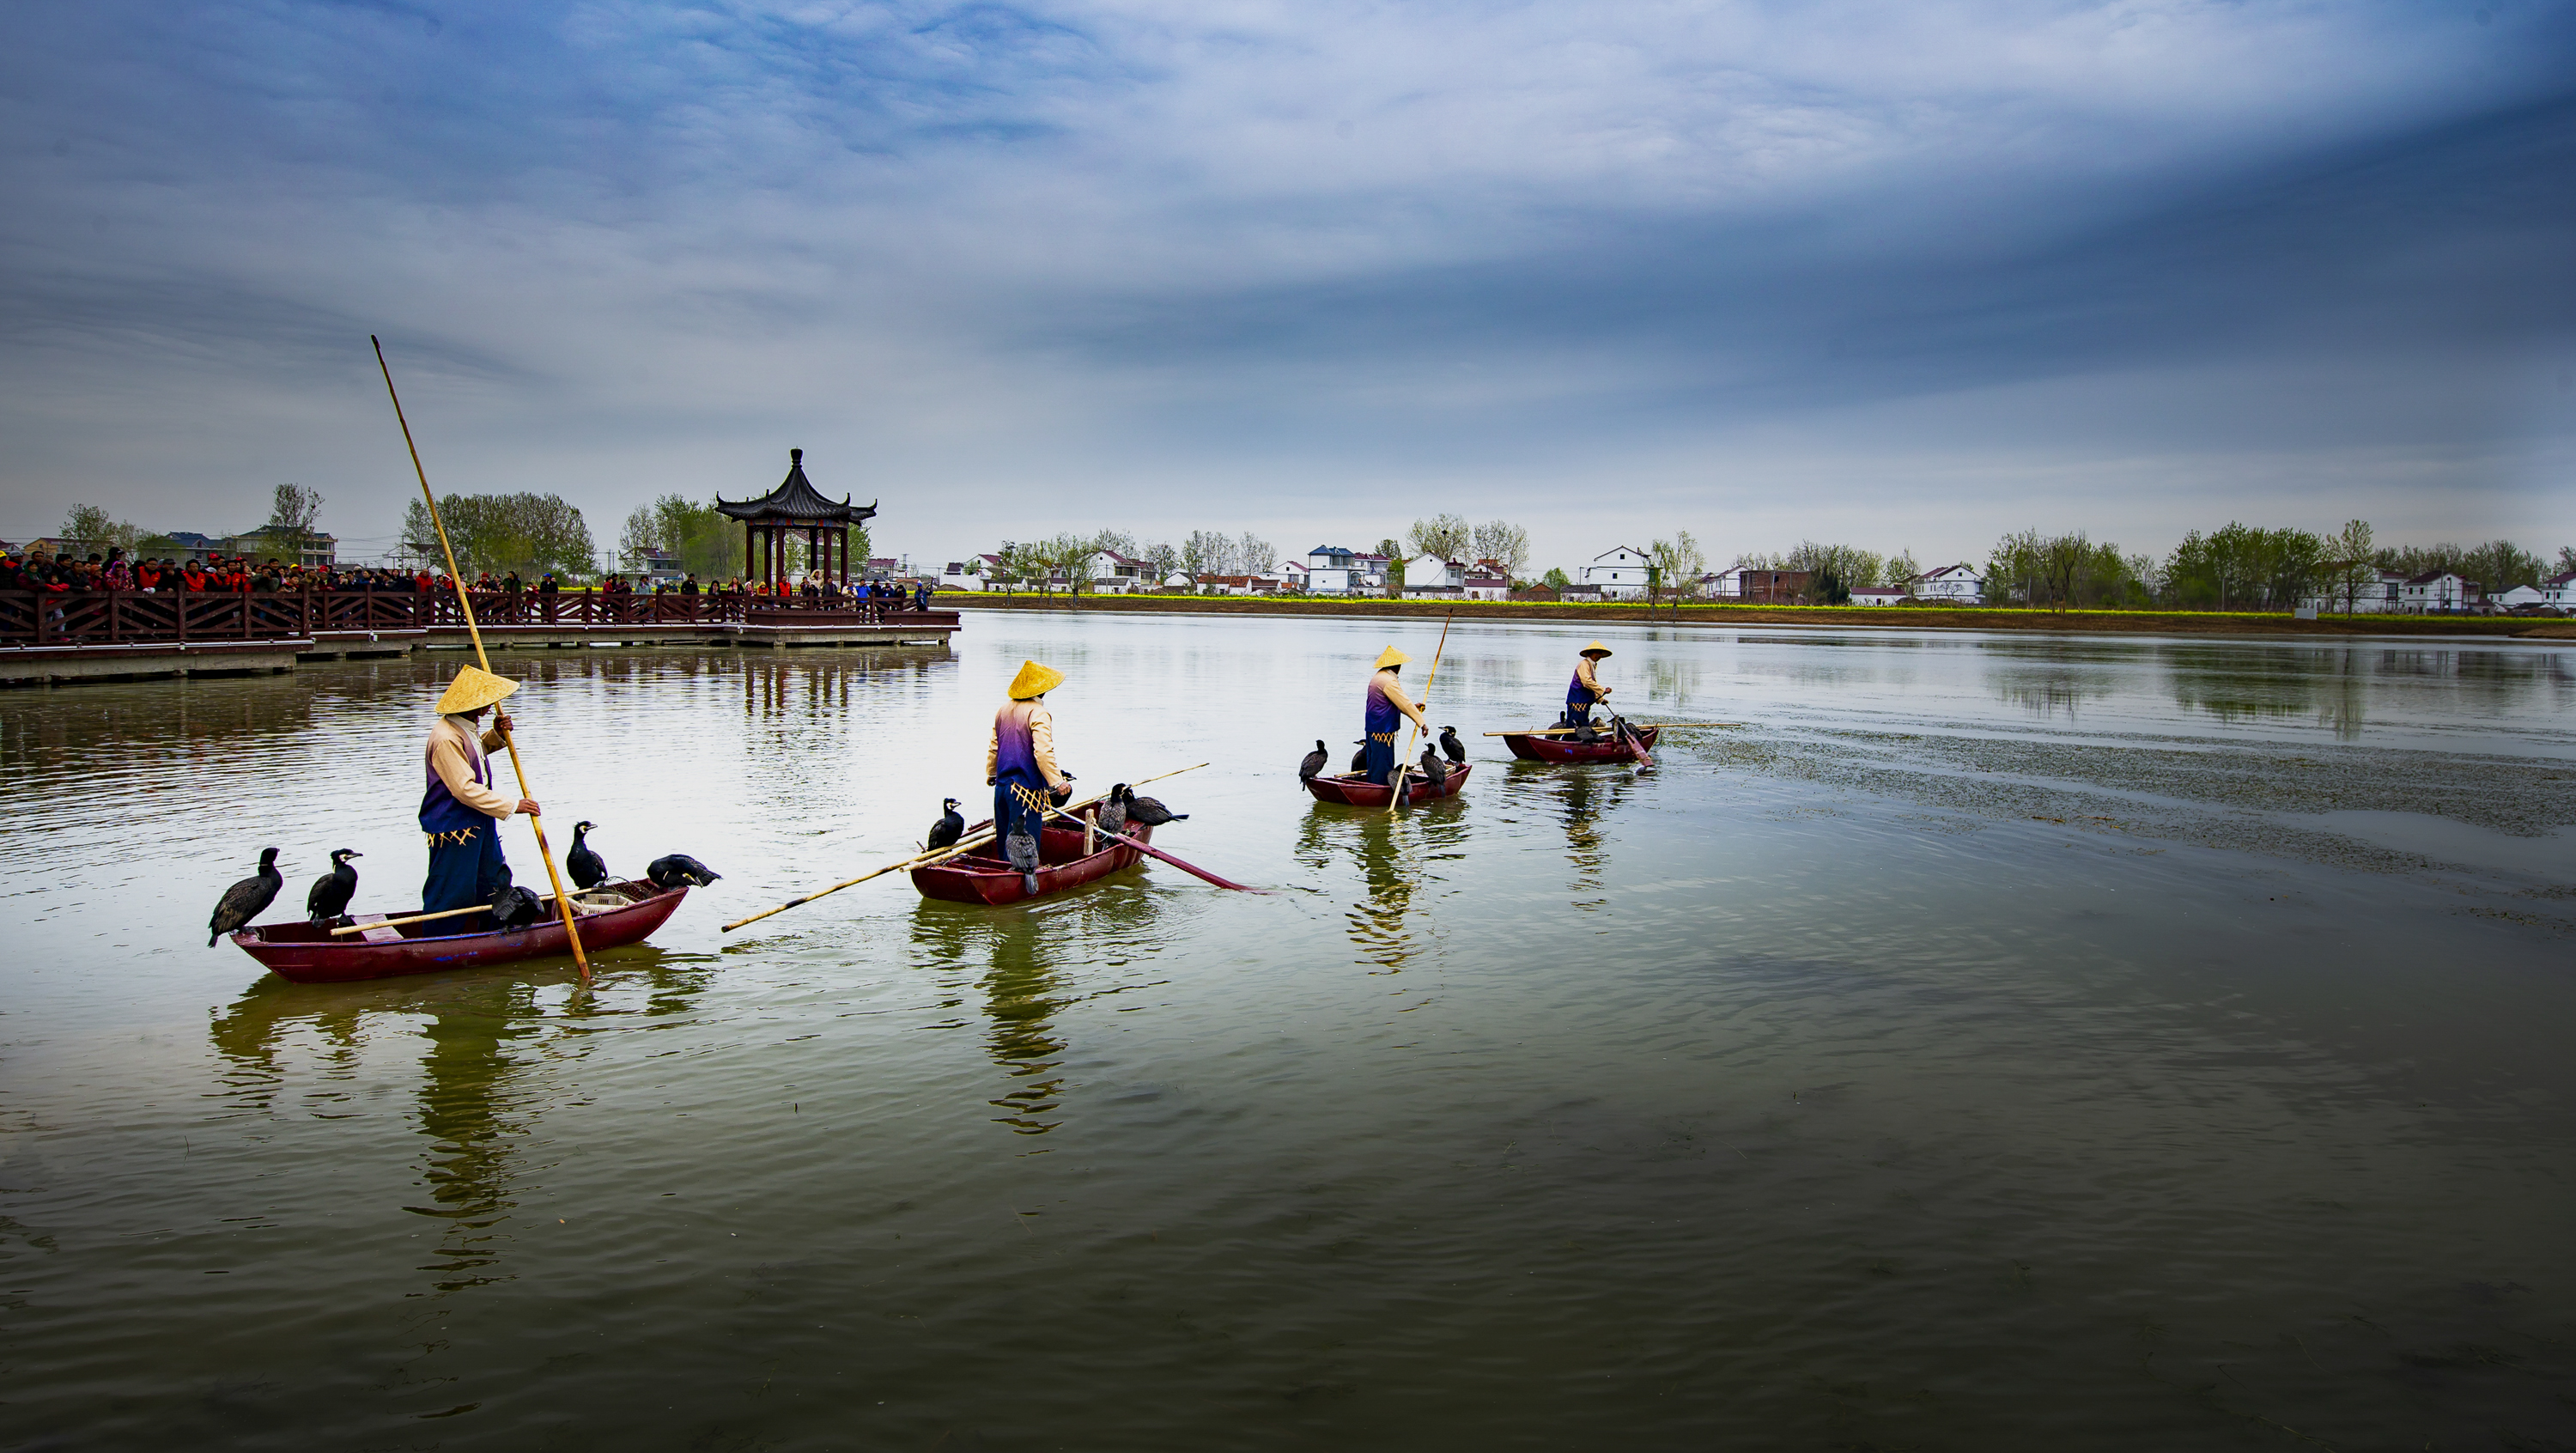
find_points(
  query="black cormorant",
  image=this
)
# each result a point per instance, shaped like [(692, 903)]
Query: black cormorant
[(333, 890), (1148, 811), (582, 860), (1314, 763), (246, 899), (1359, 759), (949, 828), (1449, 743), (1434, 771), (680, 868), (1112, 813)]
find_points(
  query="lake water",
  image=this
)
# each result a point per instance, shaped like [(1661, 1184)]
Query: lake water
[(1987, 1042)]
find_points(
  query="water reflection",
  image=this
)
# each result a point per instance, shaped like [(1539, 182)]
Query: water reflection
[(1029, 956), (1583, 800), (1391, 851), (482, 1087)]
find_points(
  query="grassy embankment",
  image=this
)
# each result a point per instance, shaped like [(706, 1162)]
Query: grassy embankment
[(1982, 618)]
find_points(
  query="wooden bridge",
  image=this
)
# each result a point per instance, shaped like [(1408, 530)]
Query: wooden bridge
[(49, 636)]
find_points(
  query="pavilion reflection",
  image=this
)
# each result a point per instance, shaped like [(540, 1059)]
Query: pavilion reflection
[(483, 1085), (1023, 959)]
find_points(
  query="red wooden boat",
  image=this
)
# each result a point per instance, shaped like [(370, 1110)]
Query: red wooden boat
[(1356, 790), (1533, 747), (983, 877), (310, 955)]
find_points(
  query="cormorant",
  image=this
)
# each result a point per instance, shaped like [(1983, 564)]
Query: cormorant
[(333, 890), (582, 860), (1112, 813), (1147, 811), (1434, 771), (949, 828), (1313, 764), (246, 899), (1359, 759), (678, 869), (1449, 743)]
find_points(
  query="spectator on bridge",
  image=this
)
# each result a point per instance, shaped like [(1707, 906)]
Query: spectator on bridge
[(546, 584), (689, 586)]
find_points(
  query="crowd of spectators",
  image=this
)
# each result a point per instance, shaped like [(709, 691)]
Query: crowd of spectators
[(22, 570)]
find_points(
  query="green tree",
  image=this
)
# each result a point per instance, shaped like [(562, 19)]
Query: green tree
[(1556, 579), (528, 533), (291, 514), (1503, 542), (1675, 566), (1849, 565), (1446, 536), (1901, 568), (93, 530)]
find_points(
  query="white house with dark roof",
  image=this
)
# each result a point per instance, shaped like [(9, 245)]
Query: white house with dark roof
[(1879, 595), (1950, 585), (1619, 573), (2437, 591), (2559, 590)]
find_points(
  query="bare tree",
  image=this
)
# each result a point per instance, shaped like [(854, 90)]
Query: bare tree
[(1443, 536), (291, 515), (1205, 553), (2353, 566), (92, 529), (1254, 555), (1505, 543), (1901, 567), (1676, 565)]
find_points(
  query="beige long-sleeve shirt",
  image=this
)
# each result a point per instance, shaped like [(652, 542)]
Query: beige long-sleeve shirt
[(455, 749), (1583, 672), (1041, 746), (1392, 687)]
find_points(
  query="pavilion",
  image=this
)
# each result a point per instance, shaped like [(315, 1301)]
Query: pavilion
[(795, 508)]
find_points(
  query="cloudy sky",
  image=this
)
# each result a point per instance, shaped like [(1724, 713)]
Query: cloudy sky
[(1906, 275)]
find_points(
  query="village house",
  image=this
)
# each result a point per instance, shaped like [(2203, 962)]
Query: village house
[(1745, 585), (1879, 595), (1487, 580), (1332, 570), (2517, 597), (1618, 573), (2559, 590), (2437, 592), (1430, 577), (2376, 591), (1948, 585)]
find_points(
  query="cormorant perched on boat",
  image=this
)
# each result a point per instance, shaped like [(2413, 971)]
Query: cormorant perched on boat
[(949, 828), (1359, 759), (1314, 763), (1145, 811), (582, 860), (1449, 743), (1435, 773), (246, 899), (333, 890), (1111, 814), (678, 869)]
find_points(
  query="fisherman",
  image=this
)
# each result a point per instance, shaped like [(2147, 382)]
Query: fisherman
[(1586, 688), (1387, 705), (1020, 767), (460, 812)]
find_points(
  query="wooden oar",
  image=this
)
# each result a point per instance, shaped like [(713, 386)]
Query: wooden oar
[(1151, 851), (518, 768), (935, 855), (1661, 726), (1404, 764), (1628, 738)]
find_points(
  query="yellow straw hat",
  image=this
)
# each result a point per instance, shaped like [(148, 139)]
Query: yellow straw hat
[(1035, 680), (474, 687), (1595, 649), (1391, 657)]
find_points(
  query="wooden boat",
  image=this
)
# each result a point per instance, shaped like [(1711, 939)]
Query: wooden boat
[(1356, 790), (983, 876), (310, 955), (1533, 747)]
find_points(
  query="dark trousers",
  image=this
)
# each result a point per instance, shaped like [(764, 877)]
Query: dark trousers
[(1381, 759), (465, 868), (1012, 813), (1578, 714)]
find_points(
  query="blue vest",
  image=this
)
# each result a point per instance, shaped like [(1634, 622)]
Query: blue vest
[(439, 809)]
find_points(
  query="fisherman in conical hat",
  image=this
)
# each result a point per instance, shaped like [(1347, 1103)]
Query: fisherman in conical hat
[(1586, 687), (1387, 707), (1020, 765), (459, 811)]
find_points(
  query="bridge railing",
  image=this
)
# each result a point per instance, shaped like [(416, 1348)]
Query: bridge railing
[(123, 617)]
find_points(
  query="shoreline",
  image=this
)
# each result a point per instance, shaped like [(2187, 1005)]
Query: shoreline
[(1919, 618)]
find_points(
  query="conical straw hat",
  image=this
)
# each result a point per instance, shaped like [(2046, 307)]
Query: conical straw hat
[(1391, 657), (1035, 680), (1595, 649), (474, 687)]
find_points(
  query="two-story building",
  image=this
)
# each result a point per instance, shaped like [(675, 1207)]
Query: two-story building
[(1746, 585), (2559, 591), (1333, 570), (1618, 573), (1430, 577), (1487, 580), (2369, 590), (1948, 585), (2437, 592)]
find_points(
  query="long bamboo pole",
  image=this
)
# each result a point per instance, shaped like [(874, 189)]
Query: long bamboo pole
[(1657, 725), (935, 855), (1404, 763), (563, 900)]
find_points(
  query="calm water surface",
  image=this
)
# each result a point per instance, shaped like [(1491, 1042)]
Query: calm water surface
[(1987, 1043)]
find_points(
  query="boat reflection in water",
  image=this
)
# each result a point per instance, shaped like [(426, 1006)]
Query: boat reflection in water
[(495, 1042), (1392, 851), (1032, 962)]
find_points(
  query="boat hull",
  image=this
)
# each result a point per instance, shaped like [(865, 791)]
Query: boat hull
[(308, 955), (1535, 748), (981, 877), (1358, 791)]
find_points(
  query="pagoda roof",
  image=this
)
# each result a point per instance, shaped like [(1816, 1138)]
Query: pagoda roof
[(797, 501)]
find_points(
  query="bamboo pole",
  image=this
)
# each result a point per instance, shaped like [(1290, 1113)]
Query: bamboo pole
[(1404, 764), (935, 855), (563, 900)]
